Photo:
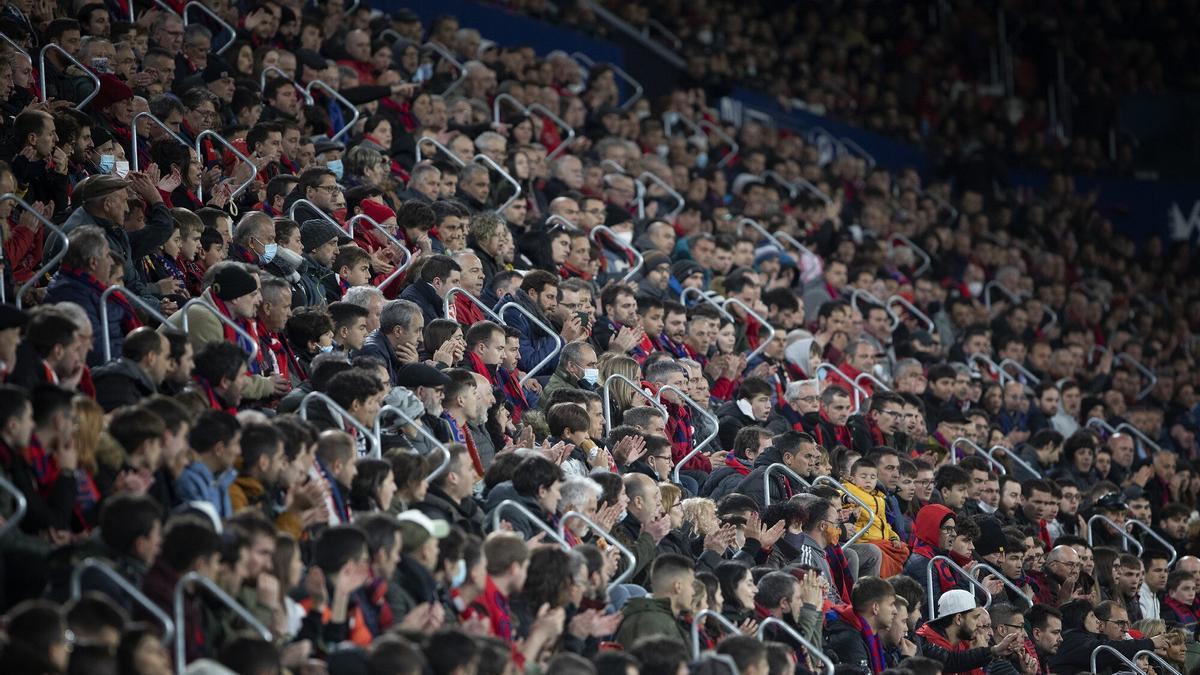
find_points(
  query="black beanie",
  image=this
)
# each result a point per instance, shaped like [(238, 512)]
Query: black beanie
[(232, 283), (991, 537)]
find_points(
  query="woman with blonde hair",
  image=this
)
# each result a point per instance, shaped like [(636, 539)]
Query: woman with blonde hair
[(622, 395), (89, 424), (700, 514)]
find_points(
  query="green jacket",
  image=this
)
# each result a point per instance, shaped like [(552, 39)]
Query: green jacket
[(649, 616), (561, 379)]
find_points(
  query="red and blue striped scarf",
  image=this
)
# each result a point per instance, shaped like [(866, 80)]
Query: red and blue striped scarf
[(235, 337), (874, 645), (130, 319), (839, 571)]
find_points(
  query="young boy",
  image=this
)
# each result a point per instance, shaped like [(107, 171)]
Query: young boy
[(954, 484), (353, 267), (864, 484), (164, 263)]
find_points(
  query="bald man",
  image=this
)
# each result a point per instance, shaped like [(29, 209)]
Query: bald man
[(486, 398), (565, 207), (644, 525), (1057, 579)]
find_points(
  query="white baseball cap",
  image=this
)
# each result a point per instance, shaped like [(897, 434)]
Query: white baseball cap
[(438, 529), (955, 601)]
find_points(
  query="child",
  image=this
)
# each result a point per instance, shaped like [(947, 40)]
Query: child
[(163, 263), (190, 228), (863, 484), (212, 248)]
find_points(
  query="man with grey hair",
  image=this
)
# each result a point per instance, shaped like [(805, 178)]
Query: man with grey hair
[(577, 369), (581, 495), (254, 239), (369, 298), (88, 257), (566, 174), (480, 82), (493, 145), (474, 187), (197, 43), (397, 341), (910, 377), (424, 184)]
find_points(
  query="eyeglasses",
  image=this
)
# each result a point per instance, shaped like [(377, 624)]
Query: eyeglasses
[(665, 458), (328, 188), (949, 530), (1013, 626), (1121, 623)]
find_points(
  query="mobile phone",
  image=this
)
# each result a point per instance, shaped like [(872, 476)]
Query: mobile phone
[(583, 318)]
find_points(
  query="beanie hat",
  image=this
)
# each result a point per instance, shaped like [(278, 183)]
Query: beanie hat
[(316, 233), (376, 211), (233, 282), (991, 537), (682, 269)]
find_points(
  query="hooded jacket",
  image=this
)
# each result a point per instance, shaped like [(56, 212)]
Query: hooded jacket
[(731, 420), (926, 537), (121, 382), (649, 616), (724, 479)]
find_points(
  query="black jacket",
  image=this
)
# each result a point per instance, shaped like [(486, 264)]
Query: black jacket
[(782, 485), (731, 420), (1075, 653), (121, 382), (424, 295), (439, 506)]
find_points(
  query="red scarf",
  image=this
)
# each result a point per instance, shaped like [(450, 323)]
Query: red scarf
[(874, 645), (737, 465), (841, 433), (233, 336), (214, 402), (130, 320), (471, 449)]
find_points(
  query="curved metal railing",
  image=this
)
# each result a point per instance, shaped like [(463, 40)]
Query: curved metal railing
[(810, 648), (492, 165), (408, 258), (912, 309), (996, 284), (776, 238), (630, 557), (931, 594), (771, 332), (963, 440), (1134, 431), (158, 123), (559, 343), (1120, 657), (1170, 548), (512, 102), (131, 297), (446, 151), (638, 259), (980, 565), (926, 261), (972, 362), (342, 100), (734, 147), (638, 89), (446, 55), (212, 15), (1150, 655), (87, 73), (637, 389), (784, 468), (378, 431), (201, 302), (857, 150), (680, 202), (320, 215), (1015, 459), (202, 582), (563, 143), (262, 83), (941, 202), (448, 302), (691, 403), (554, 219), (22, 506), (699, 619), (857, 393), (104, 569), (341, 416), (54, 259), (874, 300), (879, 385), (707, 299), (18, 48), (1102, 424), (513, 505), (1146, 373), (1126, 538), (218, 138), (1030, 378), (832, 482)]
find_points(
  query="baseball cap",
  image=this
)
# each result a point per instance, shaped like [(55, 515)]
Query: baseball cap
[(438, 529), (955, 602)]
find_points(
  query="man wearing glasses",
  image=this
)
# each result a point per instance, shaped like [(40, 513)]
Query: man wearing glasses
[(933, 534), (1008, 620), (1055, 582)]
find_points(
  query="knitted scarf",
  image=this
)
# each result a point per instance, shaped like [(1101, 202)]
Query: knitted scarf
[(665, 344), (214, 402), (839, 571), (874, 645), (129, 320), (737, 465), (943, 575), (1187, 615), (841, 433), (335, 492), (236, 338)]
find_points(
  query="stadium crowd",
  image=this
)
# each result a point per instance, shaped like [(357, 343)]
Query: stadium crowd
[(321, 356)]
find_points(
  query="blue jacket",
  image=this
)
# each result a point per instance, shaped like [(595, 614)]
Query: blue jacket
[(197, 484), (425, 297), (64, 288), (377, 345), (536, 344)]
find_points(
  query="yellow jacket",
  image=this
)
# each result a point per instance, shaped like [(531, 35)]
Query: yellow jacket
[(876, 500)]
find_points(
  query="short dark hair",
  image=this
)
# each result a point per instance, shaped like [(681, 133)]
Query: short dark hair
[(1040, 613), (251, 654), (352, 385), (125, 518), (658, 654), (746, 651), (259, 440), (141, 342), (950, 475), (337, 546), (535, 473), (449, 649), (212, 427), (218, 361), (186, 540), (134, 425), (869, 590)]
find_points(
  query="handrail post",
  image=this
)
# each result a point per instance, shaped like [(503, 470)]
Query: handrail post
[(637, 389), (1103, 424), (408, 258), (236, 153), (22, 503), (103, 568), (508, 178), (206, 584), (1157, 537), (446, 55), (810, 648), (320, 214), (378, 430), (1120, 657), (1126, 538), (42, 74), (262, 83), (706, 299), (1134, 431), (1021, 370), (734, 147), (429, 139), (511, 101), (638, 258), (963, 440), (689, 401), (514, 505), (926, 263), (767, 480), (21, 50), (606, 536), (771, 332), (201, 302), (54, 260), (957, 568), (680, 202), (1013, 457), (559, 343), (558, 121), (1145, 372), (699, 618), (320, 84), (828, 480), (866, 375), (448, 301), (858, 392), (341, 416), (131, 297), (157, 122), (912, 309), (212, 15), (980, 565)]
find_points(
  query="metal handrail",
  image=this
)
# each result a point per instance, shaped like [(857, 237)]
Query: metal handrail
[(491, 164), (638, 258), (42, 74), (1156, 537), (997, 284), (963, 440), (927, 262), (408, 257), (1046, 309), (831, 482), (22, 506), (941, 202), (105, 570), (932, 595), (1134, 431), (767, 480), (912, 309), (699, 618), (378, 429), (1146, 373), (159, 123), (558, 341), (856, 149), (734, 147), (341, 416), (980, 565), (638, 89), (680, 202), (429, 139), (54, 260), (445, 54), (448, 302), (18, 48), (212, 15), (201, 302), (1029, 376), (131, 297), (1120, 657), (262, 82), (1126, 538), (554, 218), (558, 121), (857, 392), (980, 356), (333, 93), (879, 385), (795, 186), (777, 238), (666, 33), (811, 649), (1103, 424), (512, 101), (818, 132), (1014, 458), (691, 403), (612, 164), (1150, 655), (606, 536), (706, 299), (771, 331), (637, 389), (320, 214), (792, 188), (873, 299), (723, 659), (236, 153), (514, 505), (205, 583)]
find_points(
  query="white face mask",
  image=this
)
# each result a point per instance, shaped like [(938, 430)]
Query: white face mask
[(460, 574), (626, 237), (591, 376), (289, 256)]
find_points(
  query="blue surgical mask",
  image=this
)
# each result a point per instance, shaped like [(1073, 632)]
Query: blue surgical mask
[(269, 252), (460, 574), (336, 167), (325, 349), (591, 376), (107, 162)]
